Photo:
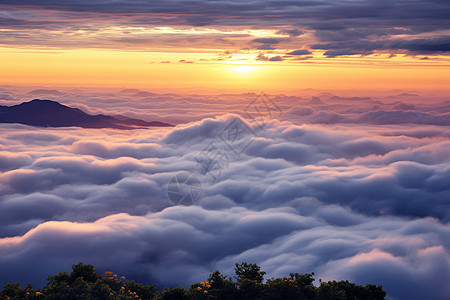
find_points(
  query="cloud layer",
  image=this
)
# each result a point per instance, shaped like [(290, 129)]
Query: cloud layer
[(335, 192), (412, 27)]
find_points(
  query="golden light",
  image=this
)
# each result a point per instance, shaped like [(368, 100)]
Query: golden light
[(144, 70), (242, 69)]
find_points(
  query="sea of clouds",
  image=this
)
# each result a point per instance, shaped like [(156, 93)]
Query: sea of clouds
[(347, 187)]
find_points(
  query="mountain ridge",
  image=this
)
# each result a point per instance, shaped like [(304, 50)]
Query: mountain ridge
[(49, 113)]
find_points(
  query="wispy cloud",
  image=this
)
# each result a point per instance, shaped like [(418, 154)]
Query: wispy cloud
[(335, 29)]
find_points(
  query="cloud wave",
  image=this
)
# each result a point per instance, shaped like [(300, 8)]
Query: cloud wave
[(348, 200)]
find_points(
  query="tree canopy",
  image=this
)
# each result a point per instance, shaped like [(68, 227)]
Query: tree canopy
[(83, 283)]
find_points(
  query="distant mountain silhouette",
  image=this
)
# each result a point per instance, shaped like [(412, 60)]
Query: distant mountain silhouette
[(47, 113), (130, 91), (45, 92), (315, 101), (145, 94)]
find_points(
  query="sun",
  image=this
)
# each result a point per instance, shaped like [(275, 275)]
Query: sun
[(242, 69)]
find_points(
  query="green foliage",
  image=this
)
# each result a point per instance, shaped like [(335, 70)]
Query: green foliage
[(83, 283), (85, 272), (178, 293), (144, 291), (249, 271), (12, 291), (348, 291), (222, 287)]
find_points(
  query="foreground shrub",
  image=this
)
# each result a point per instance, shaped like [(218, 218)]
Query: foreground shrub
[(83, 283)]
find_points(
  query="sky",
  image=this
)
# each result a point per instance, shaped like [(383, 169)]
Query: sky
[(227, 45), (327, 122)]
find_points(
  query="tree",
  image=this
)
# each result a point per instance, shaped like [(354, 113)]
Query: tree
[(178, 293), (345, 290), (86, 272), (249, 271), (304, 283), (12, 291), (146, 292), (222, 287), (83, 283)]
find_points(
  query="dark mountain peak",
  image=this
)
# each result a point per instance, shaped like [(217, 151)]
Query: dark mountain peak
[(42, 103), (45, 107), (50, 113)]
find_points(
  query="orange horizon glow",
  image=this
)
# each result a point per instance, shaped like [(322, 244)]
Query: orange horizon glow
[(134, 69)]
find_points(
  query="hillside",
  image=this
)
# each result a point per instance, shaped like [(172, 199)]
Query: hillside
[(47, 113)]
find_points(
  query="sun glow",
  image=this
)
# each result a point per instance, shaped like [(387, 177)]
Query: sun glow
[(243, 69)]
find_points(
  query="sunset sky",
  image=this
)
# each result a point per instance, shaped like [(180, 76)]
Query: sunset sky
[(252, 45)]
